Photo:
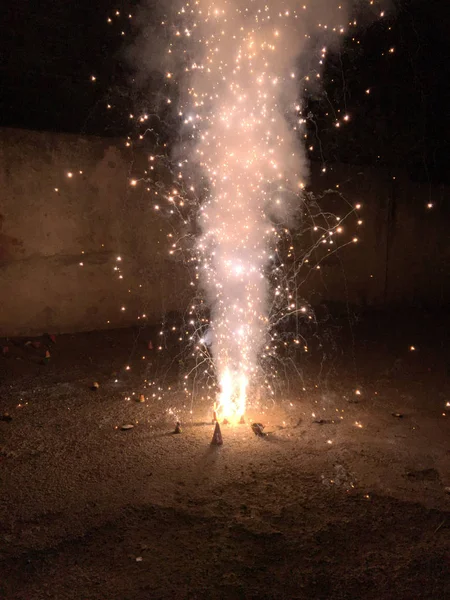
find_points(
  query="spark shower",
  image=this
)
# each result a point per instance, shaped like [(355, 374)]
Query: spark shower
[(240, 67)]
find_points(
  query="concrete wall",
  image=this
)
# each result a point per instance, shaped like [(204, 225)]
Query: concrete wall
[(50, 223), (403, 257)]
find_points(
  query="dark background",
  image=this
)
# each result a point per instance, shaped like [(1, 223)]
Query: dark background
[(50, 49)]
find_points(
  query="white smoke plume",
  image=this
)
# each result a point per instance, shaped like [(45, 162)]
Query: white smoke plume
[(241, 67)]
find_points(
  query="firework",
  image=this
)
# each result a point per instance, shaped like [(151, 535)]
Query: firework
[(239, 102), (237, 72)]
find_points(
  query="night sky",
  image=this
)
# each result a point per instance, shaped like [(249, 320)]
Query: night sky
[(50, 49)]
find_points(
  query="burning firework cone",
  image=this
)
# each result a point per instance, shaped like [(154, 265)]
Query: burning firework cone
[(178, 427), (217, 436), (214, 419), (242, 420)]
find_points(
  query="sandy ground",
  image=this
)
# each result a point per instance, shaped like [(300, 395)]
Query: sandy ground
[(350, 503)]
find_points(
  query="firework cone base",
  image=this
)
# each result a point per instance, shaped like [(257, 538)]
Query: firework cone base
[(217, 436)]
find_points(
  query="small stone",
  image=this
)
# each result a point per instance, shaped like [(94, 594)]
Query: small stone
[(258, 429), (139, 558), (95, 386), (398, 415)]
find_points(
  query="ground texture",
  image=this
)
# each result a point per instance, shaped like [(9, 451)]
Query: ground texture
[(346, 497)]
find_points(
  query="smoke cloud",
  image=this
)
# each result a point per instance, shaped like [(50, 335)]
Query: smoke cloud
[(240, 68)]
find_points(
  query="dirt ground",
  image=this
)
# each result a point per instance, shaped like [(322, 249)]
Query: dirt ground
[(346, 497)]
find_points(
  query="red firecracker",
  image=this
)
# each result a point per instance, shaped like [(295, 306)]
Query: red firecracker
[(217, 436)]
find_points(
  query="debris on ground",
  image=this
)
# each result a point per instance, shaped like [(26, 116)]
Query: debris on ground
[(341, 477), (258, 429), (95, 386), (141, 398), (398, 415), (6, 417), (127, 426), (352, 399)]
